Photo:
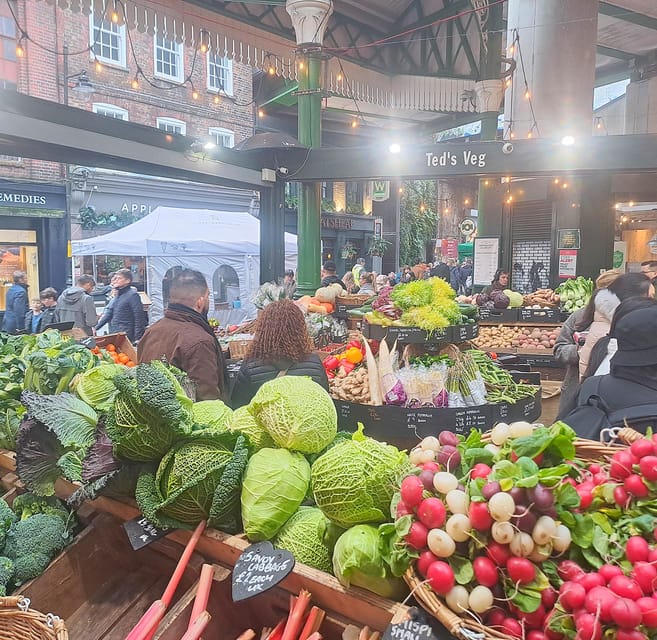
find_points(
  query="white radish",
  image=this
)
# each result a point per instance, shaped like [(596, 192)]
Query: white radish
[(520, 429), (457, 599), (427, 455), (414, 457), (444, 482), (430, 442), (540, 553), (562, 539), (494, 449), (544, 530), (500, 433), (522, 545), (503, 532), (457, 501), (481, 599), (459, 526), (440, 543), (501, 507)]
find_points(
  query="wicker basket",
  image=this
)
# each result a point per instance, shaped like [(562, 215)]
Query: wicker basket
[(468, 628), (19, 622), (238, 348), (354, 299)]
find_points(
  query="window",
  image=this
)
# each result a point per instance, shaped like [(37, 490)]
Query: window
[(222, 137), (108, 41), (220, 73), (110, 111), (7, 39), (171, 125), (168, 59)]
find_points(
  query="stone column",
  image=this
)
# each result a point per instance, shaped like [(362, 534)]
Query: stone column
[(309, 18)]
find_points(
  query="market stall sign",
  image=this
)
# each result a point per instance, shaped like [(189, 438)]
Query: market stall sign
[(259, 568), (415, 626), (568, 239), (141, 532), (336, 222)]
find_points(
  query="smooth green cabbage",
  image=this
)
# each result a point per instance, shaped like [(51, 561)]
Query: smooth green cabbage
[(515, 298), (213, 413), (298, 414), (357, 561), (243, 422), (274, 486), (310, 537), (354, 481), (96, 386)]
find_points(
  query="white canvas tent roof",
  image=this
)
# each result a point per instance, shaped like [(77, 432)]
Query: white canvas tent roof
[(169, 231)]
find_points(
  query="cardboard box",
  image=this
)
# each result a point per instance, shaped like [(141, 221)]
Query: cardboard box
[(120, 341)]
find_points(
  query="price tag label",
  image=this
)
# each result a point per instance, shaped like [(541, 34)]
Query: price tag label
[(259, 568), (409, 334), (418, 418), (414, 626), (474, 418), (529, 408), (141, 532)]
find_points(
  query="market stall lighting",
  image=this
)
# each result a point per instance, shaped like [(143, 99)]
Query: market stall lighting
[(115, 17), (395, 147), (272, 71), (261, 113), (83, 84), (568, 141)]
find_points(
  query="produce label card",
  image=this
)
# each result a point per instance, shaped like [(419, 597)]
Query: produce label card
[(414, 626), (141, 532), (259, 568)]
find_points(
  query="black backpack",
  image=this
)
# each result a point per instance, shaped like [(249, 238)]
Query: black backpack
[(592, 414)]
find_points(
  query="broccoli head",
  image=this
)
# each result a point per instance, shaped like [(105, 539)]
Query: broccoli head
[(27, 505), (7, 518), (6, 575), (31, 544)]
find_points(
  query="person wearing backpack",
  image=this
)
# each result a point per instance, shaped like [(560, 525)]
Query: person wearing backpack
[(628, 394)]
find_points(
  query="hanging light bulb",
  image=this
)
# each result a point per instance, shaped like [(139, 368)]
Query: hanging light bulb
[(115, 17), (354, 124), (508, 82), (512, 50), (422, 207), (446, 210), (195, 95), (301, 65), (529, 134), (485, 183), (216, 100), (272, 71), (135, 82), (527, 94), (98, 66), (204, 47), (20, 50), (261, 113), (339, 78)]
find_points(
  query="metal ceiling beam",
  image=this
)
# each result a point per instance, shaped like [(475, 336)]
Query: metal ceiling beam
[(612, 73), (610, 52), (446, 12), (627, 15), (44, 130)]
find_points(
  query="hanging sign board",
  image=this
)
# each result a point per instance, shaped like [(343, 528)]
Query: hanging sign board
[(568, 239), (486, 260), (620, 255), (380, 190), (259, 568), (567, 263)]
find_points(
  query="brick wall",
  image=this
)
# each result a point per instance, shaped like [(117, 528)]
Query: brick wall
[(42, 74), (526, 254)]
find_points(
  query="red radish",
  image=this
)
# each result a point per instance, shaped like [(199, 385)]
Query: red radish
[(485, 571), (648, 467), (447, 437), (599, 478), (634, 484), (490, 489), (572, 595), (569, 570), (595, 468), (608, 571), (630, 634), (480, 518), (417, 536), (481, 470), (499, 553), (403, 510), (648, 608), (495, 617), (533, 620), (441, 577), (432, 513), (571, 481), (424, 561), (549, 633), (652, 556), (430, 466), (521, 570), (588, 628), (645, 575), (536, 635), (590, 580), (512, 627), (621, 465), (426, 477), (585, 497), (626, 613), (549, 598), (625, 587), (600, 599), (621, 496), (641, 448), (411, 490)]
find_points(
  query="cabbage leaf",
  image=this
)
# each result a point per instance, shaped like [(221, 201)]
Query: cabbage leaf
[(96, 386), (243, 422)]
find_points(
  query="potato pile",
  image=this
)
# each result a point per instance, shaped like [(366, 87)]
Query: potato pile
[(352, 387), (501, 337)]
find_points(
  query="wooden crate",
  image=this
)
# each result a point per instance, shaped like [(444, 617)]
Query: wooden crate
[(120, 341)]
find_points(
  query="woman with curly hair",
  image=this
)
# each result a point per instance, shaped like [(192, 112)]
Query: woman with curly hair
[(281, 347)]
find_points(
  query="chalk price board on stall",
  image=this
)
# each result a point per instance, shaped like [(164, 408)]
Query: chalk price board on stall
[(415, 626), (141, 532), (259, 568)]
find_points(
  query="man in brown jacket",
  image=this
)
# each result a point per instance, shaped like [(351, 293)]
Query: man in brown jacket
[(185, 339)]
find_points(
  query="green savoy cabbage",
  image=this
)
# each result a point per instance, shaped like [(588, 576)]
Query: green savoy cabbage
[(213, 413), (274, 486), (354, 481), (358, 561), (515, 298), (243, 422), (96, 386), (297, 413), (198, 479), (310, 537)]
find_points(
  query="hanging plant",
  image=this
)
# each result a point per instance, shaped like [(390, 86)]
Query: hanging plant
[(92, 219), (378, 246), (349, 252)]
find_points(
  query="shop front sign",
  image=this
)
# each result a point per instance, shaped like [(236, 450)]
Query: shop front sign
[(16, 199), (380, 190), (568, 239), (336, 222)]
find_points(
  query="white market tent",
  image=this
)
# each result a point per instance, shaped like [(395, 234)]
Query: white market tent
[(224, 246)]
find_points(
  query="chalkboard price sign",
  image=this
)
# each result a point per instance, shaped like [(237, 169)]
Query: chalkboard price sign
[(141, 532), (413, 626), (259, 568), (473, 418)]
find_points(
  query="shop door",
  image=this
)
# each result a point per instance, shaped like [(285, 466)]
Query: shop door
[(18, 252)]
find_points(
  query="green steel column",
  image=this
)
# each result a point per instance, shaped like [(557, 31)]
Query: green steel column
[(310, 200)]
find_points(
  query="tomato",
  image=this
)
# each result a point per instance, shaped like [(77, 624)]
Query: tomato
[(331, 363)]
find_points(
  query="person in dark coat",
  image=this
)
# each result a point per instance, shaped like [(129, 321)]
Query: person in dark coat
[(465, 277), (77, 306), (629, 393), (127, 310), (16, 304), (185, 339), (499, 283), (43, 313), (441, 270), (329, 275), (281, 347)]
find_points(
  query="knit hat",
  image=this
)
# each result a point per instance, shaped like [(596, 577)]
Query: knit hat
[(606, 278), (636, 336)]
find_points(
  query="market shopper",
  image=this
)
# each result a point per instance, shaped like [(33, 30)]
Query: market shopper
[(599, 312), (348, 282), (48, 297), (649, 267), (77, 306), (407, 275), (16, 304), (628, 394), (329, 275), (281, 347), (441, 270), (185, 339), (289, 284), (366, 283), (127, 310), (499, 283)]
